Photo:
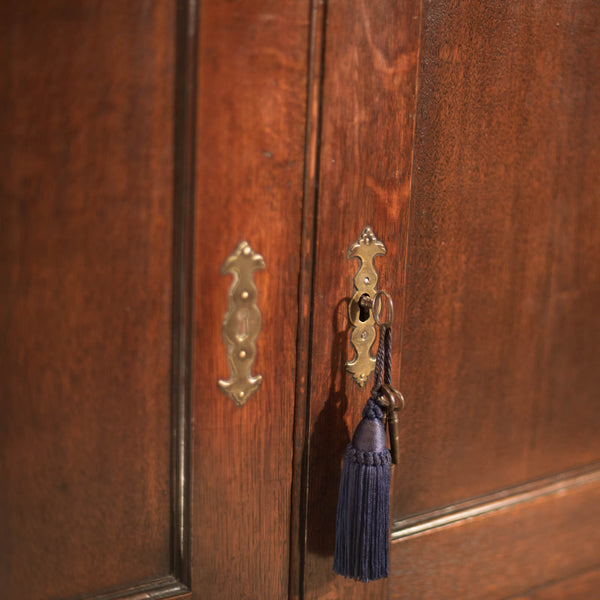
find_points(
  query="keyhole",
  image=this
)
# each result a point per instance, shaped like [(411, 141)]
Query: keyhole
[(364, 311), (242, 333)]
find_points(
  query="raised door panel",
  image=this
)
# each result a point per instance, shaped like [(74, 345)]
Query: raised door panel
[(87, 212), (502, 332)]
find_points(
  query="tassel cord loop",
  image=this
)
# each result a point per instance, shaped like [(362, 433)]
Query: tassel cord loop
[(383, 364)]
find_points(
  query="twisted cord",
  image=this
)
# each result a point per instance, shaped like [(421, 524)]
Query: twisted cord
[(383, 365), (387, 377), (379, 362)]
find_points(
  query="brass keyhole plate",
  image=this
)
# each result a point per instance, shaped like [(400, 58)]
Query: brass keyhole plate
[(363, 333)]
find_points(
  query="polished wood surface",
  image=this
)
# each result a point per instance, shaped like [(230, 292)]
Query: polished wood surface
[(502, 328), (368, 99), (545, 536), (251, 109), (86, 176), (581, 586), (143, 141)]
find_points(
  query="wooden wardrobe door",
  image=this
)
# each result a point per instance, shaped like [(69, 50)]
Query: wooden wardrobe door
[(144, 140), (466, 135)]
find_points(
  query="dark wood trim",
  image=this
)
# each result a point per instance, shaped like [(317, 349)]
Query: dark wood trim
[(157, 589), (316, 60), (498, 500), (185, 140)]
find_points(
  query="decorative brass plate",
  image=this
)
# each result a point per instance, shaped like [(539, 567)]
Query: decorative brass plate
[(366, 248), (242, 323)]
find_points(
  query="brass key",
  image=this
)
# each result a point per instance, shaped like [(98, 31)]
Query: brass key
[(393, 401)]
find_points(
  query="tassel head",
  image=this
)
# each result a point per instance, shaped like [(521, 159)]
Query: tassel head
[(369, 436)]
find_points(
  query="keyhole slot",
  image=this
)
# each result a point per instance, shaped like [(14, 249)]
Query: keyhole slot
[(364, 305)]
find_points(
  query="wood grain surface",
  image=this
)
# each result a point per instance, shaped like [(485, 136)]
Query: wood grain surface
[(142, 141), (581, 586), (86, 181), (368, 101), (502, 328), (250, 154), (542, 538)]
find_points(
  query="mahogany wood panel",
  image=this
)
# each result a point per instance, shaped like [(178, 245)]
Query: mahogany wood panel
[(502, 328), (251, 113), (368, 98), (86, 176), (538, 539)]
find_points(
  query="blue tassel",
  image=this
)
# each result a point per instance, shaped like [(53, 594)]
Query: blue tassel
[(362, 523)]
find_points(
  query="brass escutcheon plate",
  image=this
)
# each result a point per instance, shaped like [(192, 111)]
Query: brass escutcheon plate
[(242, 323), (363, 334)]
